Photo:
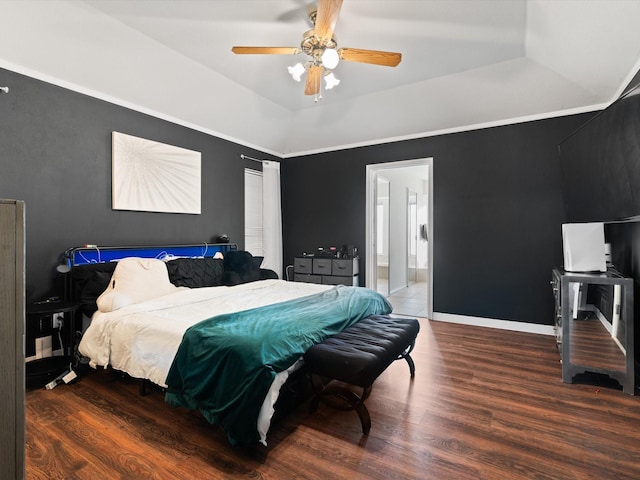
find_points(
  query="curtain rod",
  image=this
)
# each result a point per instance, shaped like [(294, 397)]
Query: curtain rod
[(245, 157)]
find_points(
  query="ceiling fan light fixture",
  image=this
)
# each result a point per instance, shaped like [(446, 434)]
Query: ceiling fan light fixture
[(330, 81), (296, 71), (330, 58), (321, 47)]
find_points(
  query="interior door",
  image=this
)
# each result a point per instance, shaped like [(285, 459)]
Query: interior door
[(382, 234), (412, 236)]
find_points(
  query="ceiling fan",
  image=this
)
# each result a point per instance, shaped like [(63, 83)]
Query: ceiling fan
[(320, 44)]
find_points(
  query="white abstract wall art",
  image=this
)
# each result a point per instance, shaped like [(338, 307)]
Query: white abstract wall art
[(154, 177)]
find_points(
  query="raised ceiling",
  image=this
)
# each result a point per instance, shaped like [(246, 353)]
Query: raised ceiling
[(465, 64)]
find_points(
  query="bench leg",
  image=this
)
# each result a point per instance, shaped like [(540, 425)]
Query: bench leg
[(353, 401), (407, 357), (412, 366), (350, 401)]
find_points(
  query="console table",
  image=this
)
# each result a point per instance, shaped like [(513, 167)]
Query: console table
[(594, 325)]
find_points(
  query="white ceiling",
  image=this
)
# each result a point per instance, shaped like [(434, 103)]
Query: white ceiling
[(466, 63)]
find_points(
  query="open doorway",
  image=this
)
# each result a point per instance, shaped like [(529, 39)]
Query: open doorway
[(406, 196)]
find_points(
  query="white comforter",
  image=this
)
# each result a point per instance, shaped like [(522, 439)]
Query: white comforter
[(142, 339)]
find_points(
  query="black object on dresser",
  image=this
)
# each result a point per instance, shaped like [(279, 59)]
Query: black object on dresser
[(327, 270), (594, 325)]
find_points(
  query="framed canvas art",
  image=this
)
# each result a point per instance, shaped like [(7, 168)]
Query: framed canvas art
[(154, 177)]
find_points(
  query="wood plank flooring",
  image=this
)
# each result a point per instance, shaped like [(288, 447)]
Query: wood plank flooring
[(485, 404)]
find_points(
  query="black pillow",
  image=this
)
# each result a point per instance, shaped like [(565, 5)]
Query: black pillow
[(89, 281), (92, 290), (240, 267), (258, 261), (268, 274), (195, 272)]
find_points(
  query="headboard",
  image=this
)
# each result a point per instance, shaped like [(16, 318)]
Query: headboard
[(97, 254), (90, 267)]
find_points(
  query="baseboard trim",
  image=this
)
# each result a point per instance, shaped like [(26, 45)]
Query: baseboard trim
[(494, 323)]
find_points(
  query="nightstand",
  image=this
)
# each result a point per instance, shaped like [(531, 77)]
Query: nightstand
[(49, 328)]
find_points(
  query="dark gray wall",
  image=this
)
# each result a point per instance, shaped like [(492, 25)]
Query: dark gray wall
[(55, 153), (601, 164), (498, 206), (498, 211), (601, 174), (624, 238)]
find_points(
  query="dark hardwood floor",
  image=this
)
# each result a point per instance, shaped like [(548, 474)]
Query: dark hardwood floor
[(485, 404)]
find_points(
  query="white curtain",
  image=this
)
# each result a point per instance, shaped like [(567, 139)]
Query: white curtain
[(271, 217)]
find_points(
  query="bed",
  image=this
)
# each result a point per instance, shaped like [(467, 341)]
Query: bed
[(219, 334)]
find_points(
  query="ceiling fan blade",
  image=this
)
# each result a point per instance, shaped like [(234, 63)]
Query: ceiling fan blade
[(267, 50), (376, 57), (326, 18), (314, 76)]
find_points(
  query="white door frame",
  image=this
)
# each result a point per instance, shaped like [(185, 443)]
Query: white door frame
[(370, 259)]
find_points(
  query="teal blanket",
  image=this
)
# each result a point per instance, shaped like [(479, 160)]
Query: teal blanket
[(225, 365)]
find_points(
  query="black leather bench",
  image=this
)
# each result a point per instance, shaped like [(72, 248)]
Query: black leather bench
[(357, 356)]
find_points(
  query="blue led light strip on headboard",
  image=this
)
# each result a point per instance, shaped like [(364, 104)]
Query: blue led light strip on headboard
[(97, 254)]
